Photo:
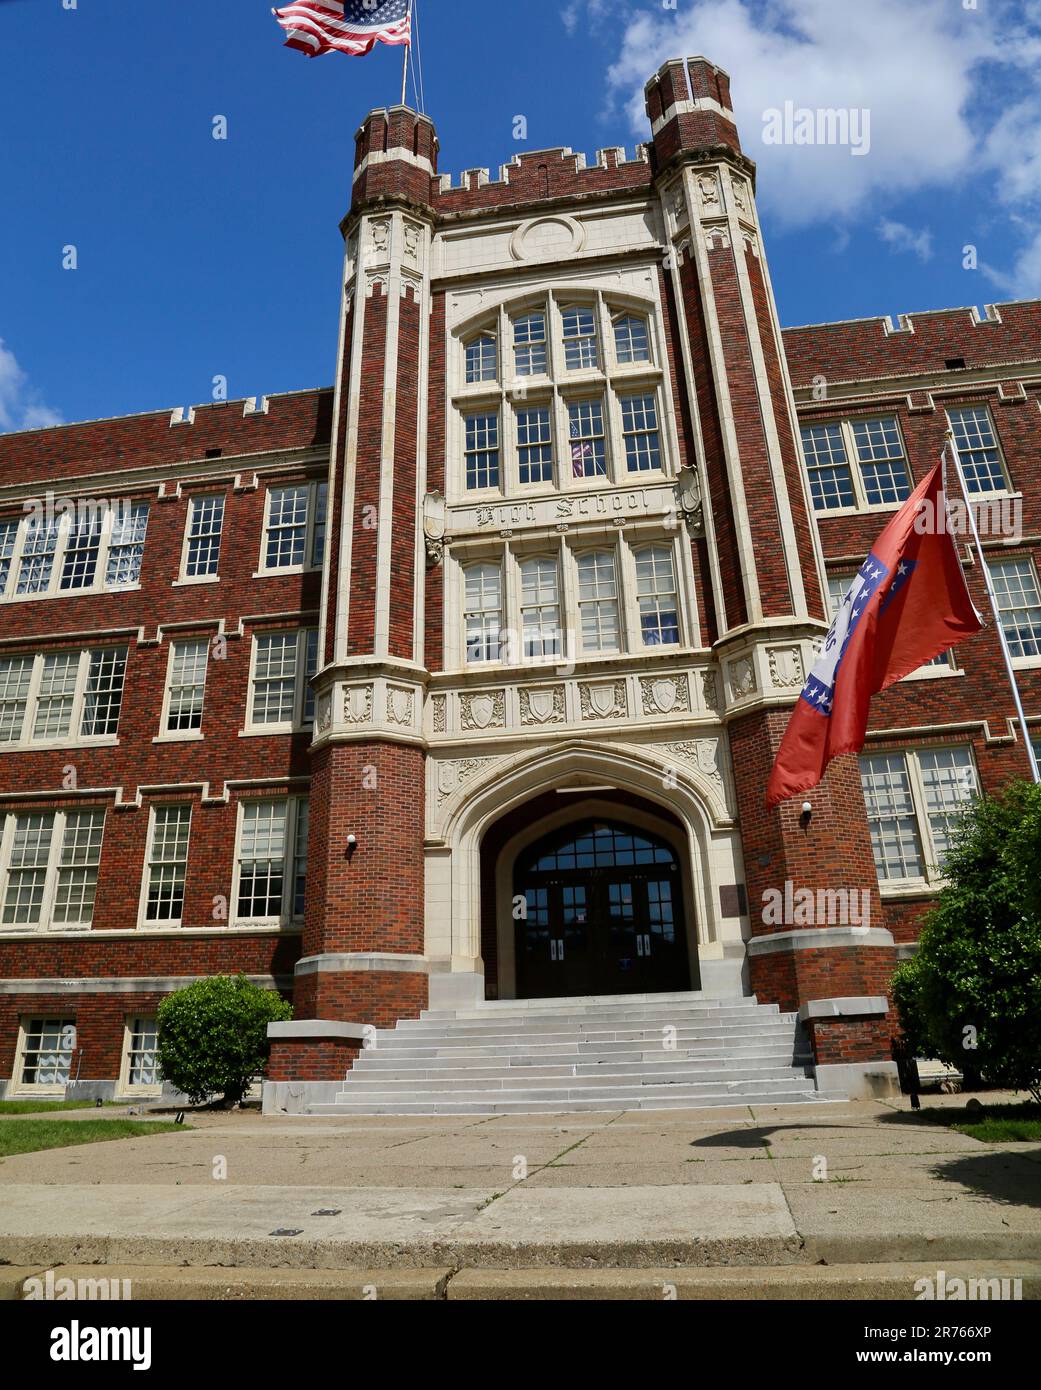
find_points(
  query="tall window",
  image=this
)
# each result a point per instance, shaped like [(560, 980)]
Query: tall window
[(856, 463), (631, 340), (295, 535), (127, 547), (8, 540), (49, 868), (656, 590), (580, 345), (640, 431), (1019, 604), (82, 552), (142, 1055), (187, 686), (89, 551), (535, 445), (483, 612), (978, 447), (167, 864), (913, 801), (883, 465), (598, 601), (540, 607), (588, 443), (481, 360), (830, 480), (482, 451), (39, 548), (839, 586), (529, 345), (48, 1049), (61, 696), (272, 860), (284, 666), (205, 525)]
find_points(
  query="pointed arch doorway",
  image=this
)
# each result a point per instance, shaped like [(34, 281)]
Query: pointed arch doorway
[(599, 910)]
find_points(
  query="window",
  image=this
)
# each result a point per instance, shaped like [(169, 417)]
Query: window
[(48, 1046), (1019, 605), (82, 552), (285, 663), (8, 540), (540, 608), (640, 430), (205, 525), (831, 482), (656, 591), (588, 444), (881, 477), (978, 447), (598, 601), (167, 865), (483, 612), (535, 445), (295, 533), (631, 340), (61, 697), (883, 465), (481, 360), (1037, 750), (839, 586), (186, 691), (141, 1071), (529, 345), (127, 546), (913, 800), (580, 346), (93, 549), (272, 860), (482, 451), (49, 868)]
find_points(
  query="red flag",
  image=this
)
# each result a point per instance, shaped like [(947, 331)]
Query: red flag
[(907, 605)]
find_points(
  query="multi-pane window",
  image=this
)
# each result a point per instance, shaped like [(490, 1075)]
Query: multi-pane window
[(295, 534), (482, 362), (535, 445), (95, 548), (48, 1049), (640, 431), (839, 586), (631, 340), (187, 688), (61, 696), (167, 864), (529, 345), (1019, 604), (913, 802), (482, 451), (272, 860), (656, 593), (831, 482), (49, 868), (483, 612), (205, 526), (540, 607), (1037, 750), (588, 441), (598, 601), (883, 464), (142, 1054), (284, 666), (580, 346), (978, 448)]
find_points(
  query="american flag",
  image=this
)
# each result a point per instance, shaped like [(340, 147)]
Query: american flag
[(582, 452), (345, 26)]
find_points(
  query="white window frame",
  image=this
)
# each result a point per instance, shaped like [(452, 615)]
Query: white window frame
[(52, 869), (975, 493), (74, 739), (166, 734), (1021, 663), (487, 334), (21, 1087), (854, 463), (126, 1088), (198, 500), (288, 918), (313, 486), (932, 876), (144, 922), (300, 723), (99, 585), (950, 665)]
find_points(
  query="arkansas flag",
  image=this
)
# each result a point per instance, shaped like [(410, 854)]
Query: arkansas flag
[(908, 604)]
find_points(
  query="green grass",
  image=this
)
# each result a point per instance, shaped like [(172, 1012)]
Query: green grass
[(993, 1124), (30, 1136), (40, 1107)]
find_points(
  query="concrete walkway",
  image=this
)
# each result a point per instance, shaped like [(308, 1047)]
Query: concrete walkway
[(757, 1193)]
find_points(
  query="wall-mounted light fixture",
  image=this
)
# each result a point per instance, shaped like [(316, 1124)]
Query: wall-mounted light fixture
[(352, 845), (807, 814)]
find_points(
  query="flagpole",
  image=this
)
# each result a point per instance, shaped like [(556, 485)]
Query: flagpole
[(992, 594), (404, 67)]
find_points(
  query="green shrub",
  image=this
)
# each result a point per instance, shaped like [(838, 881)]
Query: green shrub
[(213, 1036)]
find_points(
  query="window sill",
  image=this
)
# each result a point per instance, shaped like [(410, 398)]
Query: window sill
[(1026, 663), (927, 674), (52, 745), (195, 583), (180, 738), (287, 572), (277, 731), (71, 593)]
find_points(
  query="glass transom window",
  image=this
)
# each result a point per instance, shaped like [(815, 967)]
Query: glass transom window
[(529, 345), (580, 346), (631, 340), (481, 360)]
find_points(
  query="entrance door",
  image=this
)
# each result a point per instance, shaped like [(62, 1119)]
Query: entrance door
[(599, 912)]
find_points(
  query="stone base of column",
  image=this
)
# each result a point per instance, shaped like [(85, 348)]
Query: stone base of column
[(309, 1063), (372, 989), (852, 1040)]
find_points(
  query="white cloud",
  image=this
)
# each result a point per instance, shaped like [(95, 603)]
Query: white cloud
[(903, 238), (20, 405)]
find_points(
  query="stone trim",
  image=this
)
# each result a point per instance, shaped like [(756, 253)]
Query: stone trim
[(818, 938), (129, 984), (306, 1030), (362, 962), (863, 1007)]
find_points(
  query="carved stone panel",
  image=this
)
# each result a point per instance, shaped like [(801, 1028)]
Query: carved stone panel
[(486, 710), (401, 704), (665, 695), (742, 678), (786, 668), (357, 704), (453, 775), (604, 701), (541, 707)]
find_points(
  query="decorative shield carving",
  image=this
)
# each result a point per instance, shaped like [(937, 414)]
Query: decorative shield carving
[(541, 705), (358, 704), (603, 699), (665, 695)]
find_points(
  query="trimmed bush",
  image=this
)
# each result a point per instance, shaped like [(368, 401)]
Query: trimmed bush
[(213, 1036)]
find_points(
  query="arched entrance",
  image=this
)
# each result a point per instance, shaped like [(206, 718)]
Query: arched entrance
[(599, 909)]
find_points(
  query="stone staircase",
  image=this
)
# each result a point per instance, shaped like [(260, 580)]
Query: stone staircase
[(558, 1056)]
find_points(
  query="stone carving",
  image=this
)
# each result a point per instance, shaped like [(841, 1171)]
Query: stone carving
[(440, 709), (401, 703), (453, 775), (665, 695), (708, 192), (413, 283), (323, 714), (691, 502), (357, 704), (717, 238), (484, 711), (742, 678), (374, 282), (710, 691), (705, 755), (435, 518), (413, 232), (380, 237), (604, 701), (786, 668), (543, 706), (740, 194), (679, 206), (751, 243)]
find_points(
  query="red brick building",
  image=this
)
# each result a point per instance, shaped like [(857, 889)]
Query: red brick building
[(461, 680)]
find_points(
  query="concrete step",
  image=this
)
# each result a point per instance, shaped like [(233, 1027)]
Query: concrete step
[(432, 1086), (562, 1051), (593, 1001), (584, 1032), (636, 1065), (681, 1098), (601, 1020)]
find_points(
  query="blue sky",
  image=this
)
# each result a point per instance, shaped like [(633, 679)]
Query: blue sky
[(199, 257)]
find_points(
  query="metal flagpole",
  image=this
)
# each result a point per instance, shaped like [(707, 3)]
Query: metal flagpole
[(404, 66), (993, 596)]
